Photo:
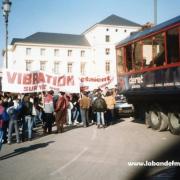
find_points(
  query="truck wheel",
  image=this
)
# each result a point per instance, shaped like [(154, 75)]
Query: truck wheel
[(164, 121), (174, 122), (155, 119)]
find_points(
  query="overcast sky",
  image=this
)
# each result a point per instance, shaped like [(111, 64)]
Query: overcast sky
[(75, 16)]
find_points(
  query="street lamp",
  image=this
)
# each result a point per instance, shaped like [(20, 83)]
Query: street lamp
[(6, 6)]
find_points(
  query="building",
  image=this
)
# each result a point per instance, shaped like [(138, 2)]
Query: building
[(90, 54)]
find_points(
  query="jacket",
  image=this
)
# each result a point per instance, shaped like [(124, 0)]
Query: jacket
[(99, 105), (84, 102)]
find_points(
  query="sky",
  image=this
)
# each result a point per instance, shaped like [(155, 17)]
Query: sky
[(75, 16)]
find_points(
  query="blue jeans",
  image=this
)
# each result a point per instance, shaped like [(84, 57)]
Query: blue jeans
[(10, 130), (84, 117), (69, 121), (1, 138), (27, 126), (100, 118)]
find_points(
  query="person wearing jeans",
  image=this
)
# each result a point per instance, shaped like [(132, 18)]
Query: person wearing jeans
[(28, 126), (13, 114), (100, 119), (84, 108), (99, 106), (27, 118)]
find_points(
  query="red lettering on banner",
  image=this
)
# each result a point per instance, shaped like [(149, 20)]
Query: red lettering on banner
[(48, 78), (70, 81), (35, 78), (61, 81), (41, 78), (27, 78), (34, 88), (11, 79), (25, 89), (19, 78), (42, 87)]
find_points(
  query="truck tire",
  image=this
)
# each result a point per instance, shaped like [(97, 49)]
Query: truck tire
[(174, 122), (164, 121), (147, 119), (155, 119)]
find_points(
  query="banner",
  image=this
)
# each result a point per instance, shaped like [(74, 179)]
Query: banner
[(91, 83), (38, 81)]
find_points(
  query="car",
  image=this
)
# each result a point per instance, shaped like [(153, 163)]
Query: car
[(122, 108)]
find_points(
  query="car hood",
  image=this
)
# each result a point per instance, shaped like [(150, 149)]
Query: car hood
[(125, 104)]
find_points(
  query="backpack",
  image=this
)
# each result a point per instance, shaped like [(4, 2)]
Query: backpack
[(27, 108), (99, 105)]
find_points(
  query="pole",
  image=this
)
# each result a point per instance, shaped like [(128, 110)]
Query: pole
[(6, 22), (155, 12)]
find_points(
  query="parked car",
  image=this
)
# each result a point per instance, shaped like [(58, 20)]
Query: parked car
[(122, 108)]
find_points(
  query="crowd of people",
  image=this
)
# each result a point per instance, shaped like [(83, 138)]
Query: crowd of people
[(23, 111)]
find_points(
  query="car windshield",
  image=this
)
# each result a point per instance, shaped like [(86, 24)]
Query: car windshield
[(120, 98)]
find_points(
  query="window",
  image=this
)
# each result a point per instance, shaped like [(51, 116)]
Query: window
[(69, 52), (120, 63), (42, 52), (134, 60), (107, 38), (147, 46), (56, 67), (107, 51), (137, 55), (173, 54), (83, 68), (158, 52), (82, 53), (42, 65), (56, 52), (28, 65), (153, 51), (28, 51), (129, 57), (69, 67), (107, 67)]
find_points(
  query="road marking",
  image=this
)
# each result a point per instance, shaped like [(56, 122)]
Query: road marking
[(70, 162)]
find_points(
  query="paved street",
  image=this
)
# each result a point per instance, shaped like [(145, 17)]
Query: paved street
[(84, 153)]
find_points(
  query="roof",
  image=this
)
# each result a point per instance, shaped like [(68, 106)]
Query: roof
[(147, 32), (118, 21), (54, 38), (114, 20)]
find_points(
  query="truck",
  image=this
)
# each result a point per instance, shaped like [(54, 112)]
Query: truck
[(148, 74)]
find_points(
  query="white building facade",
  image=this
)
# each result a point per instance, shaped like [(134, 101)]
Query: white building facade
[(91, 54)]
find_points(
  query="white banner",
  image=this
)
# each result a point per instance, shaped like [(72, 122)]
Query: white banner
[(91, 83), (38, 81)]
